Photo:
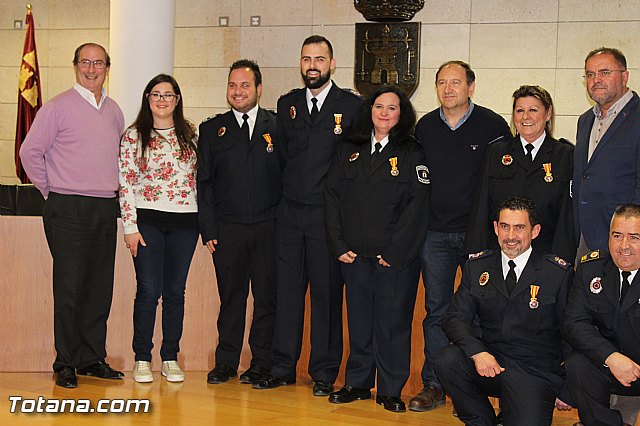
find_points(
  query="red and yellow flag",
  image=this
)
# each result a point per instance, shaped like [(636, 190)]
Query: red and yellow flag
[(29, 97)]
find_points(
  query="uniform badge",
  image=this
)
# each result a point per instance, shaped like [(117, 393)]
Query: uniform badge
[(337, 128), (292, 112), (475, 255), (221, 131), (548, 177), (484, 278), (423, 176), (394, 166), (507, 160), (590, 256), (354, 156), (267, 137), (595, 286), (533, 302), (560, 261)]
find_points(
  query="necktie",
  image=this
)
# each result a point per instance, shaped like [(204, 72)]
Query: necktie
[(245, 127), (625, 285), (377, 147), (529, 148), (314, 110), (510, 281)]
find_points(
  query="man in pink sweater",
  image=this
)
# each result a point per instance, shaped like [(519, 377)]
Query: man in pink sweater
[(71, 156)]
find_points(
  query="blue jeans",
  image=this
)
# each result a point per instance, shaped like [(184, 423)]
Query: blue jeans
[(161, 270), (440, 256)]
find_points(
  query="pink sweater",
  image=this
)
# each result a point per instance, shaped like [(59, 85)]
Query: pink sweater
[(72, 147)]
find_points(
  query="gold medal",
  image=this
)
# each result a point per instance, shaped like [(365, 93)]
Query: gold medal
[(338, 128), (354, 156), (484, 279), (547, 169), (533, 303), (267, 137), (221, 131), (507, 160), (292, 112), (394, 166)]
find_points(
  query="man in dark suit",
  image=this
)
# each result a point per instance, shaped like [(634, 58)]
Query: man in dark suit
[(518, 296), (239, 188), (602, 323), (311, 123), (607, 155)]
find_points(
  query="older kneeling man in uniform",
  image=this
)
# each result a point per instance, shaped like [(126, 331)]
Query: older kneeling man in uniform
[(602, 323), (518, 296)]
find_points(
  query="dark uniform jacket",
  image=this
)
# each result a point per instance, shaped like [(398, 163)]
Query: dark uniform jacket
[(310, 147), (611, 177), (595, 324), (511, 328), (238, 181), (506, 172), (370, 211)]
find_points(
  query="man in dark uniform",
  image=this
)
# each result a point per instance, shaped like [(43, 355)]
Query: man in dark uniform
[(311, 123), (239, 188), (457, 132), (602, 323), (518, 296)]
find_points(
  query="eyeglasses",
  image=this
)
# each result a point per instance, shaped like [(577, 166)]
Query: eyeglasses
[(85, 63), (590, 75), (155, 97)]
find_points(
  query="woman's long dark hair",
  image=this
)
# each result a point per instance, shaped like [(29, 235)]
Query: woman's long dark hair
[(401, 132), (185, 132)]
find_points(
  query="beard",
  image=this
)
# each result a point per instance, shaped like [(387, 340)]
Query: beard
[(316, 83)]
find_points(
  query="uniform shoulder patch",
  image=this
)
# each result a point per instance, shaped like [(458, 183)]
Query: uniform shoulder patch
[(596, 254), (211, 117), (480, 255), (557, 260), (498, 139), (353, 92)]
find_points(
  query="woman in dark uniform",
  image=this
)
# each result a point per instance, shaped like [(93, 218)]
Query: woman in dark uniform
[(544, 175), (376, 209)]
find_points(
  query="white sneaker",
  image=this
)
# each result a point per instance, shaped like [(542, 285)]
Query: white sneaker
[(142, 372), (171, 370)]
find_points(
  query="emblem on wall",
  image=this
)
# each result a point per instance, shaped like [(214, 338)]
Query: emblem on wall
[(387, 53)]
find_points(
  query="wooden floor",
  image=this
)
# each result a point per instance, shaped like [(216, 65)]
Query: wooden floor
[(193, 402)]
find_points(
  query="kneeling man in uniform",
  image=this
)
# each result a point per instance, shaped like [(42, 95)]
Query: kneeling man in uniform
[(518, 296), (602, 323)]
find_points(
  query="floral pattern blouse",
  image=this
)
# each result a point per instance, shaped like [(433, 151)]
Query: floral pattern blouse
[(163, 179)]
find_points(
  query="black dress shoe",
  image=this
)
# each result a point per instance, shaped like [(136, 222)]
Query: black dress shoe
[(101, 370), (66, 378), (253, 374), (321, 388), (349, 394), (220, 374), (270, 382), (391, 403)]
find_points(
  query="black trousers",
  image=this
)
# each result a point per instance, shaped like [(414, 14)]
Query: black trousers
[(81, 234), (380, 302), (246, 252), (527, 396), (591, 386), (304, 260)]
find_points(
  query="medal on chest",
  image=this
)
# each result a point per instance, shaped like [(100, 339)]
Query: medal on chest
[(533, 291)]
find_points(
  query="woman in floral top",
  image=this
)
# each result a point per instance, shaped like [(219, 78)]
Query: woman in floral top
[(158, 160)]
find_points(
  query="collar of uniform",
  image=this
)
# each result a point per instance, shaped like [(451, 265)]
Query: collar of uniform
[(521, 262), (252, 113), (383, 142), (615, 108), (321, 96), (631, 277), (536, 144), (461, 121), (89, 96)]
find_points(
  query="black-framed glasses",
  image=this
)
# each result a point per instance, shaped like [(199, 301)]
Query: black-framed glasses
[(590, 75), (156, 97), (98, 64)]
